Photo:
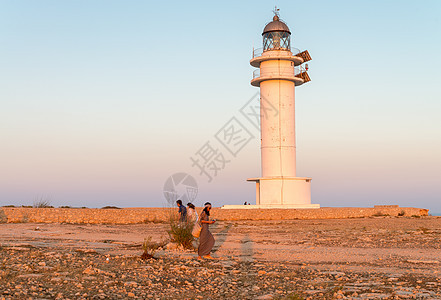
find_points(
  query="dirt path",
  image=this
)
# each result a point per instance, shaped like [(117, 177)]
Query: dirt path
[(372, 258)]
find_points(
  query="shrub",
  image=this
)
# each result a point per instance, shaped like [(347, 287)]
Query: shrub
[(180, 232), (42, 202), (380, 214), (3, 217), (150, 247)]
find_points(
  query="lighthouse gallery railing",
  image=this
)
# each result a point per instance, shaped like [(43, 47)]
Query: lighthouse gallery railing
[(259, 51), (297, 70)]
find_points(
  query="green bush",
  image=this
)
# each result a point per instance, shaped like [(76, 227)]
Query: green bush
[(180, 232)]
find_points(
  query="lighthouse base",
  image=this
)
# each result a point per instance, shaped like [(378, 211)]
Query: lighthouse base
[(283, 192), (306, 206)]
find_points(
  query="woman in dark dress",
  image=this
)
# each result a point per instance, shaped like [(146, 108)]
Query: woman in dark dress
[(206, 239)]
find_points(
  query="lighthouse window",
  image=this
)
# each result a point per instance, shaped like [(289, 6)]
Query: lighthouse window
[(276, 41)]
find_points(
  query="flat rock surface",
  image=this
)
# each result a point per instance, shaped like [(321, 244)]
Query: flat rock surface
[(371, 258)]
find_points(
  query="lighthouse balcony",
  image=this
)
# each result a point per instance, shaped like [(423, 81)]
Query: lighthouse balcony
[(260, 55), (297, 71), (259, 51), (298, 75)]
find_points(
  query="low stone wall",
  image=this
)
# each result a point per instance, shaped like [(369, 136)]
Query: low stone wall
[(321, 213), (86, 215), (146, 215)]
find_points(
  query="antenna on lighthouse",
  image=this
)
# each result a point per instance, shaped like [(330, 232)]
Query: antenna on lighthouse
[(276, 11)]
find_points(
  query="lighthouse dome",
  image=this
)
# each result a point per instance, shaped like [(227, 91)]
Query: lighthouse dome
[(276, 25)]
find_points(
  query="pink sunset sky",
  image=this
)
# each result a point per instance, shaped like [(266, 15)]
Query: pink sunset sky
[(101, 102)]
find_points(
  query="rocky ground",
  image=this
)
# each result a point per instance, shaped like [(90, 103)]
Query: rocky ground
[(372, 258)]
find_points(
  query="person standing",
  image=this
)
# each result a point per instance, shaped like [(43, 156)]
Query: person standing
[(206, 239), (192, 215), (182, 211)]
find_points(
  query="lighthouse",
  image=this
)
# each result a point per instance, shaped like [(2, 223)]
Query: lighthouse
[(281, 68)]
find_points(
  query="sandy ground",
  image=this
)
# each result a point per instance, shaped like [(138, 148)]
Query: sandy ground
[(371, 258)]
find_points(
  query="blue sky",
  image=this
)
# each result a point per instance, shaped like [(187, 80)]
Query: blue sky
[(102, 101)]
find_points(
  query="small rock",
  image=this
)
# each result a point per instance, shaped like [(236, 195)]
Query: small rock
[(265, 297), (423, 261), (89, 271), (172, 246)]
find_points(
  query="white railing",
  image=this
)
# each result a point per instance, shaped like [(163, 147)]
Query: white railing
[(259, 51), (256, 73), (297, 70)]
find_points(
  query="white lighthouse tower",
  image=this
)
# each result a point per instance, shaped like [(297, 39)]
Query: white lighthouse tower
[(280, 71)]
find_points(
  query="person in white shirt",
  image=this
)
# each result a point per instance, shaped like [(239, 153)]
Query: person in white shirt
[(192, 215)]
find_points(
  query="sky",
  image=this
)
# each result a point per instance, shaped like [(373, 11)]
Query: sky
[(101, 102)]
